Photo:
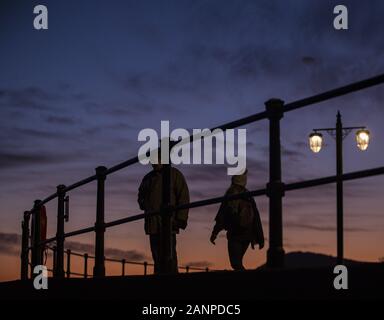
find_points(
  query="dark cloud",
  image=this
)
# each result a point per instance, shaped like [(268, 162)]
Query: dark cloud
[(112, 253), (302, 245), (128, 110), (247, 62), (10, 244), (79, 96), (63, 120), (300, 144), (199, 52), (199, 264), (197, 194), (42, 134), (134, 109), (8, 160), (323, 228), (308, 60), (135, 82), (319, 195), (217, 173), (291, 154), (143, 83), (29, 92), (115, 128), (27, 98), (24, 159)]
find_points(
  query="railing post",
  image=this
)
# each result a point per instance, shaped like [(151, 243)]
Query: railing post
[(339, 189), (187, 269), (206, 269), (36, 228), (24, 246), (166, 258), (123, 267), (99, 268), (275, 187), (85, 265), (145, 267), (68, 263), (59, 271), (54, 251)]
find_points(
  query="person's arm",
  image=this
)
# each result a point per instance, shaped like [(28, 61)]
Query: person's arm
[(140, 197), (257, 226), (219, 223), (182, 197), (228, 208)]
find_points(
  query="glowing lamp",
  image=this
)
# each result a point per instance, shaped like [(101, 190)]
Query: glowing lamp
[(315, 141), (362, 139)]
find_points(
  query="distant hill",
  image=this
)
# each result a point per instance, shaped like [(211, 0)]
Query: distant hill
[(299, 259)]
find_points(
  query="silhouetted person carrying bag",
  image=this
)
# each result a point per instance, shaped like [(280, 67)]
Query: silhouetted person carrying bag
[(241, 219), (150, 200)]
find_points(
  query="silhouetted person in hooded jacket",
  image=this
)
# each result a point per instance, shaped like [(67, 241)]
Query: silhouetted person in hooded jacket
[(150, 200), (241, 219)]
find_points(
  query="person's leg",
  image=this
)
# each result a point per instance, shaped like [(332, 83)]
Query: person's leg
[(236, 253), (244, 246), (175, 267), (154, 240)]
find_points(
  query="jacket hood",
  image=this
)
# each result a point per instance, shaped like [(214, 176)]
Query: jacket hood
[(240, 180)]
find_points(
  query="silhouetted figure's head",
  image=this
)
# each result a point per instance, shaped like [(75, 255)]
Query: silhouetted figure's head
[(158, 166), (241, 179)]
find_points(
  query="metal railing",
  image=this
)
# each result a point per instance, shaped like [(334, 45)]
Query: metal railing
[(86, 257), (68, 272), (275, 190)]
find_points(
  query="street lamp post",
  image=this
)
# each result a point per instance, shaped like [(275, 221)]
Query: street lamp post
[(339, 133)]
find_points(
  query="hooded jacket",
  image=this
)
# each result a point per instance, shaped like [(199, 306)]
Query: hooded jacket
[(150, 199), (253, 231)]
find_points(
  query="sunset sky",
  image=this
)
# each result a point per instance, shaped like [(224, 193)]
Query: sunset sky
[(75, 96)]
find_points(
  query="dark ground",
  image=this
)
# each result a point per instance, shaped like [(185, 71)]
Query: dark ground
[(366, 281)]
